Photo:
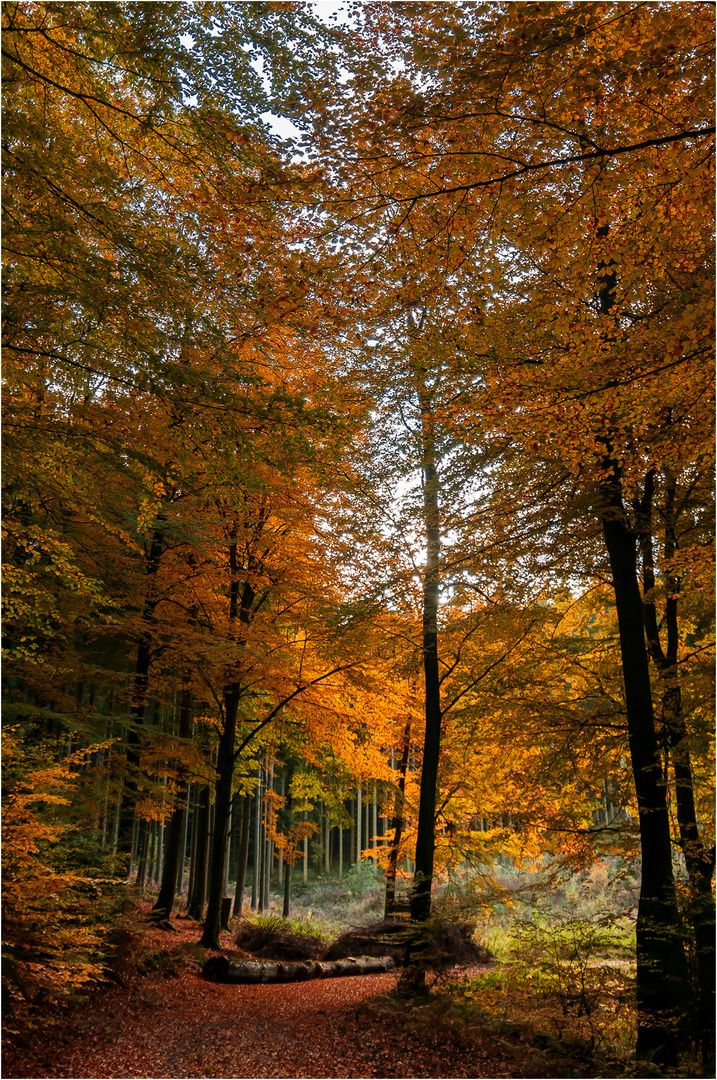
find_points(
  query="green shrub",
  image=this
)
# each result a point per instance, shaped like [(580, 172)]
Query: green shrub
[(362, 877), (576, 972)]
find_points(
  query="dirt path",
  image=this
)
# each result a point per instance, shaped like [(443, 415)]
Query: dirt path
[(183, 1026), (187, 1027)]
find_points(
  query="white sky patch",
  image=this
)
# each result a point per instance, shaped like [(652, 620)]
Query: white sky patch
[(257, 62), (332, 12), (281, 127), (187, 41)]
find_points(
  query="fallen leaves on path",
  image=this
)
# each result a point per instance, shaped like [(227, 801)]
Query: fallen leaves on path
[(184, 1026)]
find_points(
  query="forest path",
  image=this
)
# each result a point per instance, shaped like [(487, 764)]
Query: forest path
[(181, 1025)]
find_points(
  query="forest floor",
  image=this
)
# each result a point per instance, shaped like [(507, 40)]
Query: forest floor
[(165, 1020)]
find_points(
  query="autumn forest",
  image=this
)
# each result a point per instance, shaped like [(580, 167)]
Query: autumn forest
[(358, 491)]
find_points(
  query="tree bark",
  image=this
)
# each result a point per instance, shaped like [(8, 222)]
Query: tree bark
[(183, 842), (174, 837), (222, 812), (341, 853), (243, 855), (306, 852), (139, 700), (192, 843), (426, 834), (327, 843), (699, 861), (287, 822), (239, 612), (143, 851), (374, 824), (220, 969), (267, 849), (397, 825), (195, 908), (262, 863), (660, 956), (257, 843)]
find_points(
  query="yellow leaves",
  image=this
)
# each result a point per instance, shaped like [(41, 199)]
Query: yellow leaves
[(149, 509), (51, 947)]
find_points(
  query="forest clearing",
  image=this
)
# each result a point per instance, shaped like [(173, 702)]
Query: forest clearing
[(157, 1017), (358, 538)]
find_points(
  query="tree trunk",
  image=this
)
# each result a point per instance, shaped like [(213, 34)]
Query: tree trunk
[(267, 850), (699, 862), (341, 853), (230, 846), (183, 844), (286, 910), (143, 851), (374, 839), (174, 839), (257, 843), (426, 834), (139, 699), (397, 824), (222, 812), (287, 821), (159, 859), (239, 612), (173, 842), (243, 855), (195, 907), (262, 865), (193, 844), (327, 843), (661, 967), (306, 852)]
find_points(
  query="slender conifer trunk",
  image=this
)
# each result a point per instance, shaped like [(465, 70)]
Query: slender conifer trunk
[(257, 842), (397, 824), (222, 813), (139, 699), (174, 837), (287, 822), (195, 907), (243, 854)]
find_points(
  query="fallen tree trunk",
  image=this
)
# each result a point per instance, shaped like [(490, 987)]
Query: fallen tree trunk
[(220, 969)]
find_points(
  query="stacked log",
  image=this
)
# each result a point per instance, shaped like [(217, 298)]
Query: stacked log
[(220, 969)]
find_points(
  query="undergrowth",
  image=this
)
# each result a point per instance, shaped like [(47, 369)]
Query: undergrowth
[(563, 981), (280, 939), (57, 915)]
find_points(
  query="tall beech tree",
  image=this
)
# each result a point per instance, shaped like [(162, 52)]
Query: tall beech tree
[(556, 147), (282, 429), (430, 483)]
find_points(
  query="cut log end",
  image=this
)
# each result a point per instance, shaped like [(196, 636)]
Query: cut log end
[(216, 969)]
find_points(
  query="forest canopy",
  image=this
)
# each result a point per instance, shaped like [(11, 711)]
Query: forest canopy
[(358, 487)]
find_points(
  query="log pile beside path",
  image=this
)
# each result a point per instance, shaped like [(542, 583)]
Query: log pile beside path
[(220, 969)]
